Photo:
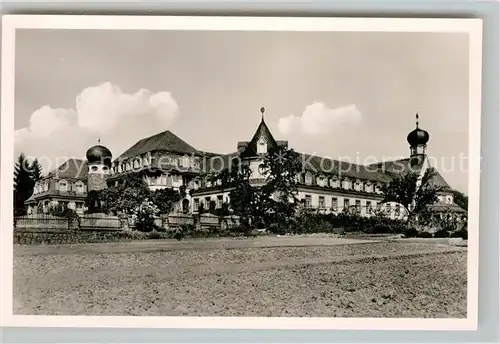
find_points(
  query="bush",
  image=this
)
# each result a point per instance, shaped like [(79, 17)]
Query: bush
[(143, 216), (442, 233), (160, 229), (241, 230), (155, 235), (184, 231), (462, 233), (274, 228), (423, 234), (410, 233), (380, 229)]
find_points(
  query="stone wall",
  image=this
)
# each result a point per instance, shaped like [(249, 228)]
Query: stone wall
[(56, 237)]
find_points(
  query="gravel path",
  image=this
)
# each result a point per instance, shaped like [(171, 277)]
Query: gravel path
[(242, 278)]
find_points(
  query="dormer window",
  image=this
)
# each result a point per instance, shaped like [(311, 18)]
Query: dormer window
[(79, 187), (261, 146), (63, 186)]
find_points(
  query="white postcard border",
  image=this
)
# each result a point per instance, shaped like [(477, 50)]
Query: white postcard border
[(12, 22)]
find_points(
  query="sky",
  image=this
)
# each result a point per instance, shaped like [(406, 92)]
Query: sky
[(345, 95)]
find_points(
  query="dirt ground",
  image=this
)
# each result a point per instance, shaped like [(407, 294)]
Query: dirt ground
[(251, 277)]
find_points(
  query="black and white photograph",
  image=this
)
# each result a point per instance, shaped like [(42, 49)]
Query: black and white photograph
[(288, 169)]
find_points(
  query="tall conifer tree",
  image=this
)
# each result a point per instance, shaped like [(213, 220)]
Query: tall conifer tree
[(23, 184)]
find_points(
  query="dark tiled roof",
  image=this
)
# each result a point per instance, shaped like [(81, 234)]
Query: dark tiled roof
[(71, 169), (213, 163), (438, 180), (262, 131), (342, 168), (164, 141), (395, 167), (441, 206)]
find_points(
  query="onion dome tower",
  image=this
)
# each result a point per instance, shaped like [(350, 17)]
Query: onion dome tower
[(99, 165), (418, 139)]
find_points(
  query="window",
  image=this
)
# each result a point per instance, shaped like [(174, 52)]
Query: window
[(196, 184), (94, 168), (346, 203), (321, 181), (368, 187), (308, 201), (79, 206), (308, 178), (358, 205), (321, 201), (357, 185), (388, 208), (185, 161), (369, 209), (346, 184), (79, 187), (105, 168), (207, 202), (334, 182), (261, 146), (219, 201), (334, 203), (63, 186), (196, 204)]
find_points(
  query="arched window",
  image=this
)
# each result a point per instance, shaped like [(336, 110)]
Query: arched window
[(63, 185), (94, 168)]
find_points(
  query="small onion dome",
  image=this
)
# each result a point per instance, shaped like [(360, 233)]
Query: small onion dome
[(418, 136), (99, 154)]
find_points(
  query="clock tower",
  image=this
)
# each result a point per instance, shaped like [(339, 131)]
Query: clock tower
[(99, 165)]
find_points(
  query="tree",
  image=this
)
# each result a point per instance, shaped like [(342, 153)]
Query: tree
[(165, 199), (276, 200), (461, 199), (36, 170), (23, 184), (415, 194), (144, 216), (281, 167), (125, 197), (243, 198)]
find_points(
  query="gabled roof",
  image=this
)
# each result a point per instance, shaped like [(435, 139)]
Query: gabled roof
[(264, 132), (164, 141), (71, 169)]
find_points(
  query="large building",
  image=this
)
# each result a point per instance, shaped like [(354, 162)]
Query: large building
[(166, 161)]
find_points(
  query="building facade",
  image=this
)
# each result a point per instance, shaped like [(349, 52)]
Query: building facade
[(166, 161)]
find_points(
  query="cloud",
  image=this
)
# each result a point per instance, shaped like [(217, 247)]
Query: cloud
[(318, 119), (119, 119)]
